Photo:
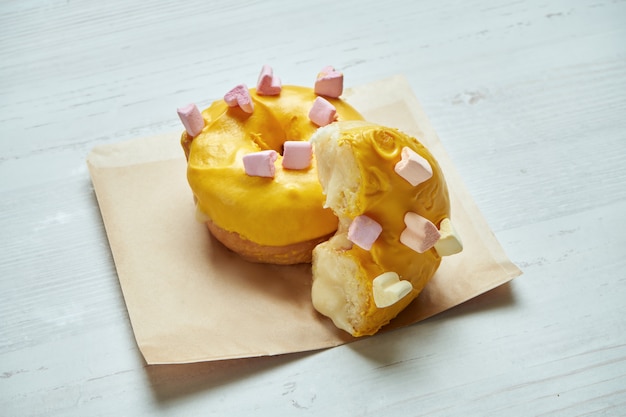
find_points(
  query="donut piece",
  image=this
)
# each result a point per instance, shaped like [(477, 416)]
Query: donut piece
[(362, 287), (277, 219)]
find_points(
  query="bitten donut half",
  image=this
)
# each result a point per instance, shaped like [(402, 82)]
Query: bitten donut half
[(392, 202)]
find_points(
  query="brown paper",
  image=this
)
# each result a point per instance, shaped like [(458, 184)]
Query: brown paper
[(189, 299)]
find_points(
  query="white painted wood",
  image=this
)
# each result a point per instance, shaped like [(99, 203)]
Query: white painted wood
[(528, 98)]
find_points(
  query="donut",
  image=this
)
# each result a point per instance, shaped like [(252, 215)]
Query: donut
[(392, 202), (251, 168), (291, 174)]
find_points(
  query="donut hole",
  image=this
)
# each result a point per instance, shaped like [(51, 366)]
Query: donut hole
[(269, 130)]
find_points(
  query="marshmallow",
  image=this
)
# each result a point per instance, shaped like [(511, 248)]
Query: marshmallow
[(240, 96), (191, 118), (413, 167), (297, 154), (450, 242), (260, 164), (420, 233), (363, 231), (388, 289), (268, 84), (322, 112), (329, 82)]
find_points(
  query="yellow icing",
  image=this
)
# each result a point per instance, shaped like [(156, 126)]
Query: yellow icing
[(275, 211), (385, 197)]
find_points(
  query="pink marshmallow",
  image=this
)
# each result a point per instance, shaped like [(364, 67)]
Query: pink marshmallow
[(329, 82), (363, 231), (420, 233), (297, 154), (260, 164), (192, 119), (413, 167), (268, 84), (322, 112), (240, 96)]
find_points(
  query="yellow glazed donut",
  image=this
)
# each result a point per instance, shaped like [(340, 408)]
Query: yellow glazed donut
[(286, 174), (392, 203), (277, 218)]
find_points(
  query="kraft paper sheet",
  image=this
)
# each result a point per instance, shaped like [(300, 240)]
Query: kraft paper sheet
[(189, 299)]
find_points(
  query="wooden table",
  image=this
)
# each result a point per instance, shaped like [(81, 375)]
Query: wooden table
[(527, 97)]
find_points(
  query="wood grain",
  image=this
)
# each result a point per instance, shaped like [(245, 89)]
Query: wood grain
[(528, 99)]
